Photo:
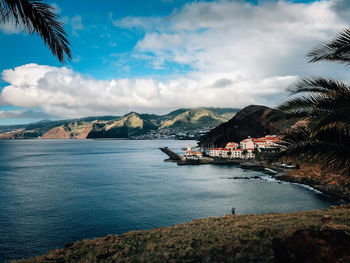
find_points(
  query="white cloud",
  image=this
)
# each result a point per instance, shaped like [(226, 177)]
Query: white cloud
[(240, 54), (10, 28), (56, 8), (267, 39), (63, 92), (76, 59), (76, 24)]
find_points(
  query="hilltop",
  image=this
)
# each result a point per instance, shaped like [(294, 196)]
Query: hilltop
[(131, 125), (253, 120)]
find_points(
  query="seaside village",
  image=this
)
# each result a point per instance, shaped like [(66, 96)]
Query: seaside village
[(246, 148)]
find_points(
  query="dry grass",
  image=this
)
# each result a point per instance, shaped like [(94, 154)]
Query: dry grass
[(233, 238)]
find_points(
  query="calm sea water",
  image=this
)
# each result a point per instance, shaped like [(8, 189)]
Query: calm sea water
[(57, 191)]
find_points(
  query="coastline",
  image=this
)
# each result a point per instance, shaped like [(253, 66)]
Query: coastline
[(337, 186), (105, 255)]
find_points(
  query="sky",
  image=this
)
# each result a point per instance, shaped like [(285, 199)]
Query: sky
[(159, 55)]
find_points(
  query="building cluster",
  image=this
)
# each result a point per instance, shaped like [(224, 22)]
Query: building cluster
[(190, 154), (246, 148), (174, 133)]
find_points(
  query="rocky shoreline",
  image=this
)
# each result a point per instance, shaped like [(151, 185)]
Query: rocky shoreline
[(335, 185)]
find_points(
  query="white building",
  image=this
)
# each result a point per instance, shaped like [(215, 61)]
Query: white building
[(231, 145), (247, 143), (215, 152), (236, 153), (249, 154)]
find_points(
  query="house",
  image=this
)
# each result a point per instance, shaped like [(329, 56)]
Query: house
[(235, 150), (231, 145), (247, 143), (268, 141), (250, 153), (225, 153), (260, 143), (220, 152), (236, 153), (215, 152), (190, 153)]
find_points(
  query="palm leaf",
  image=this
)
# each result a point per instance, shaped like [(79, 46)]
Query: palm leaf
[(336, 50), (320, 85), (323, 148), (38, 17)]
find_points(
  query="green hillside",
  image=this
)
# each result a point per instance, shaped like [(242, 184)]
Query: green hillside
[(193, 119), (128, 126)]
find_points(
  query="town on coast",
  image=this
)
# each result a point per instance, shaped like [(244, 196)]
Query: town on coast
[(247, 154)]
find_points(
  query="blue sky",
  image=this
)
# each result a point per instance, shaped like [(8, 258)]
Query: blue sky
[(98, 40), (158, 55)]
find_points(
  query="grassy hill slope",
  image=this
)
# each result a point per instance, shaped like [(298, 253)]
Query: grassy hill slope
[(309, 236)]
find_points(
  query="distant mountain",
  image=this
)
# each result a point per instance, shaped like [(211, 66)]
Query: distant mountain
[(253, 121), (128, 126), (192, 119)]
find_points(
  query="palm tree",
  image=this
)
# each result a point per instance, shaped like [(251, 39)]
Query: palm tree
[(36, 16), (325, 105)]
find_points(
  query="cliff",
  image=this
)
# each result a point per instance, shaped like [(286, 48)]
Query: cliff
[(56, 133), (253, 120)]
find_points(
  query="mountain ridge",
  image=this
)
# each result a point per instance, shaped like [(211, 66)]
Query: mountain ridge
[(130, 125)]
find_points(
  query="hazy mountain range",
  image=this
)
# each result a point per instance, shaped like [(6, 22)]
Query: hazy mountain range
[(128, 126)]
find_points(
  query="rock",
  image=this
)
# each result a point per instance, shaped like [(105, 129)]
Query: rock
[(336, 228), (68, 245), (328, 245), (326, 218), (109, 238), (104, 256)]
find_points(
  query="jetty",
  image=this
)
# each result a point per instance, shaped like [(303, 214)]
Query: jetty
[(185, 160), (172, 155)]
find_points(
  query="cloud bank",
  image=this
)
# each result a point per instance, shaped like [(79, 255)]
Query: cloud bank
[(63, 92), (238, 53)]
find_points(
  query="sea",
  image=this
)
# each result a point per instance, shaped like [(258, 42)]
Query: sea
[(54, 192)]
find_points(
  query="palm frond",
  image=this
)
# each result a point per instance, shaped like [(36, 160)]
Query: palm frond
[(305, 106), (320, 85), (336, 50), (300, 143), (325, 104), (38, 17)]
